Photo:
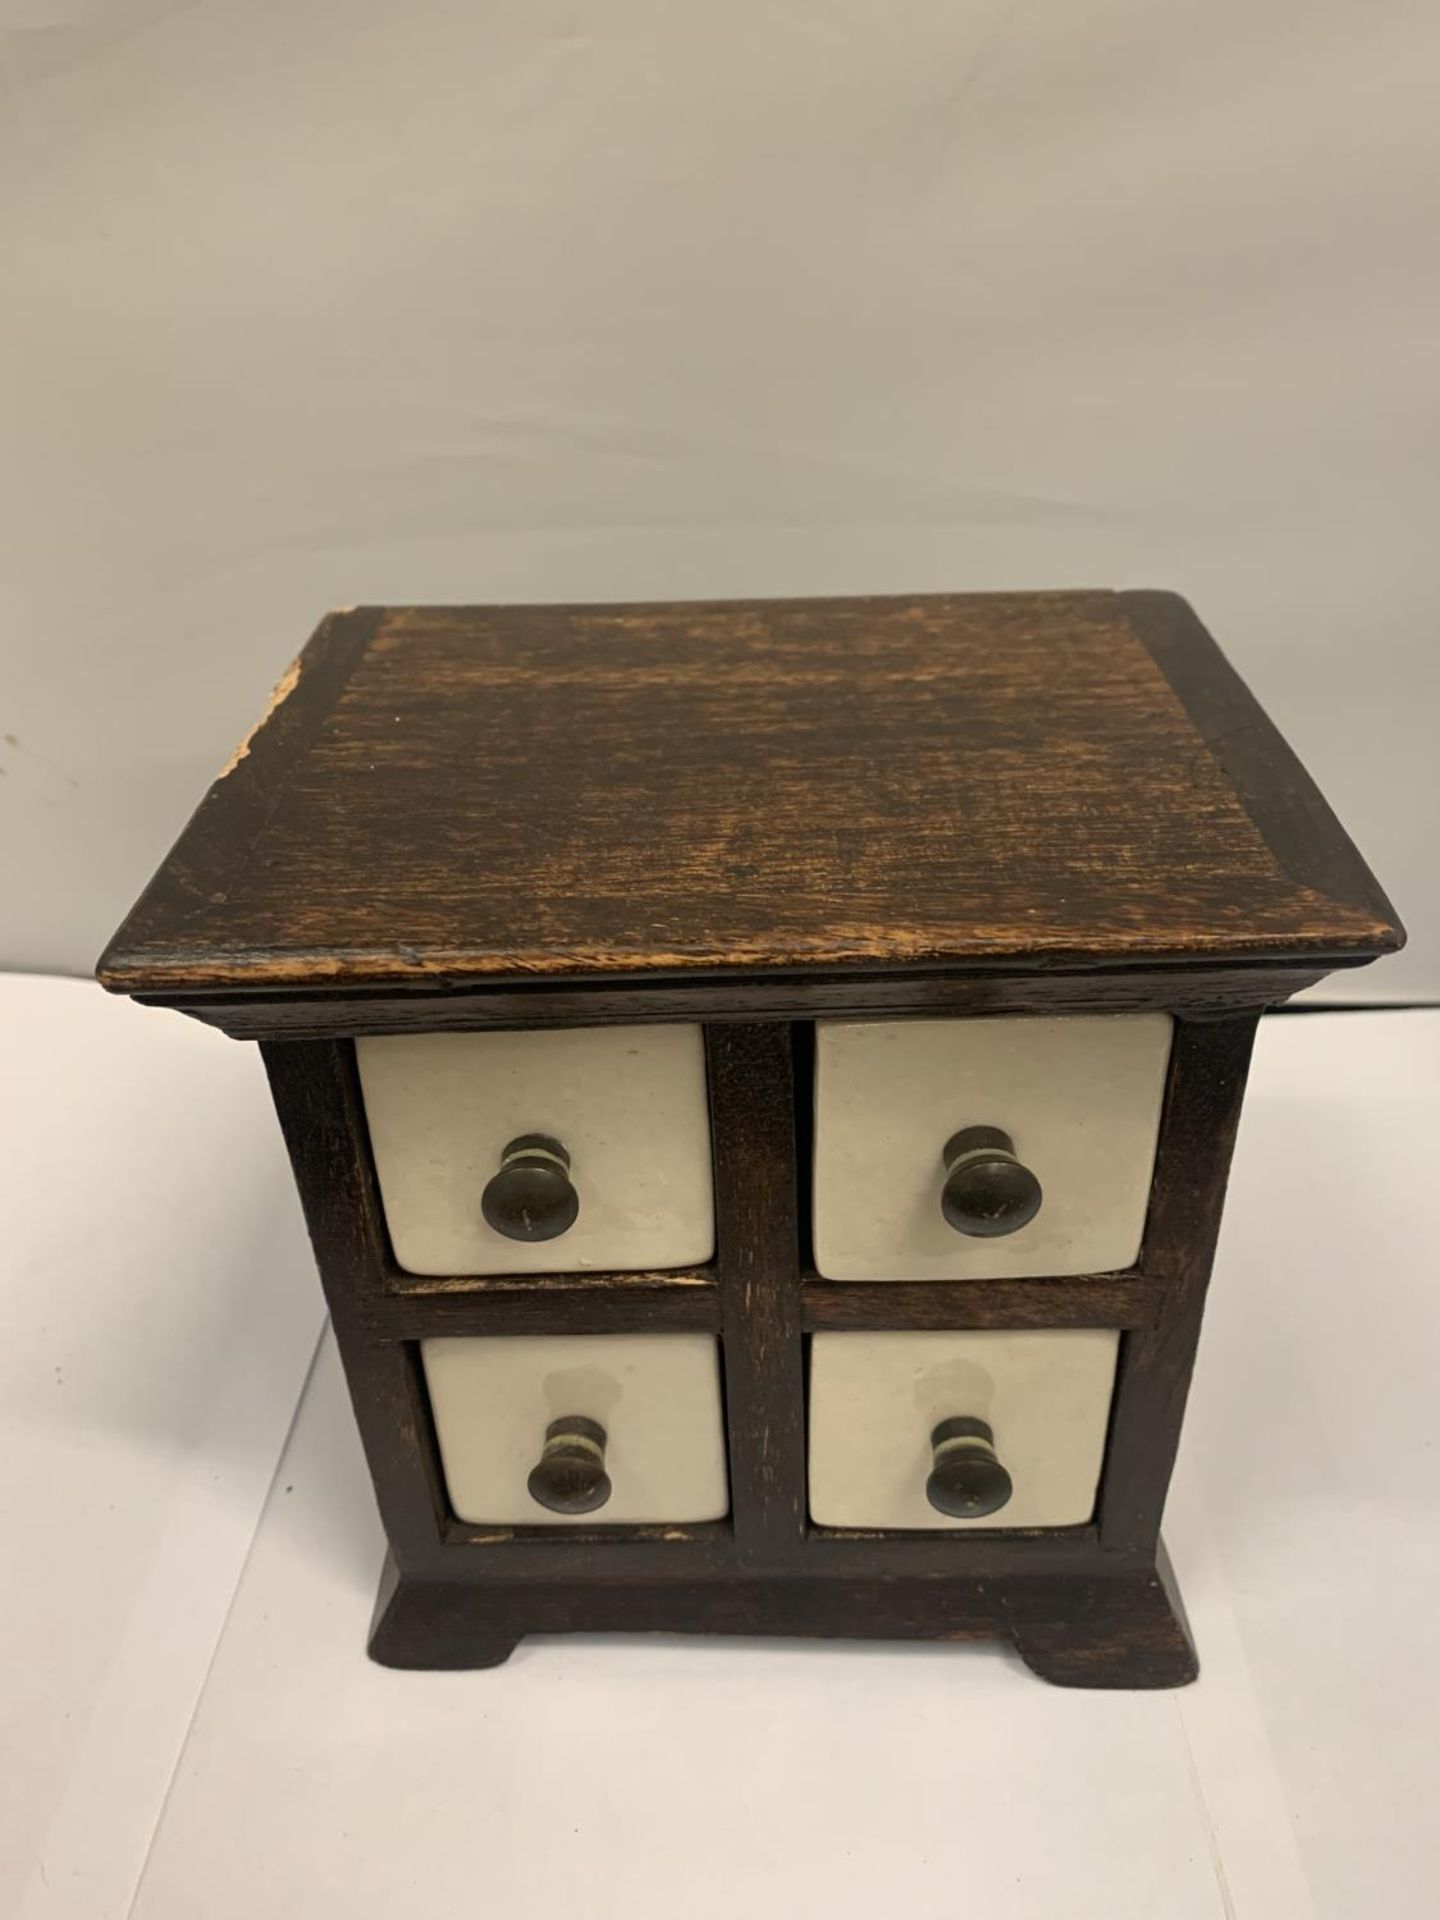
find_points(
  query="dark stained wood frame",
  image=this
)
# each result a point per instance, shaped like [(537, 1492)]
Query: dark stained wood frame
[(1089, 1605), (1085, 1606)]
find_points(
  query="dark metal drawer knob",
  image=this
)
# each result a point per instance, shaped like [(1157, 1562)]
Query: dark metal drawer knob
[(532, 1197), (987, 1191), (967, 1479), (570, 1476)]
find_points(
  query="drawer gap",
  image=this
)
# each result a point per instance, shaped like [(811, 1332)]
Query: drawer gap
[(461, 1533), (414, 1286)]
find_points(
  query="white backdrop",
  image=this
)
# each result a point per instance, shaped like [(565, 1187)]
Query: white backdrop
[(307, 303)]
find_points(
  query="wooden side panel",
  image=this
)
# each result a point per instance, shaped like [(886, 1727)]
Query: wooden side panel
[(317, 1098), (1208, 1067)]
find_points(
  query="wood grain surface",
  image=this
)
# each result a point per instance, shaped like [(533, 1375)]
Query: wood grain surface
[(442, 797)]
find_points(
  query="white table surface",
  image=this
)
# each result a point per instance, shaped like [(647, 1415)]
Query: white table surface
[(191, 1730)]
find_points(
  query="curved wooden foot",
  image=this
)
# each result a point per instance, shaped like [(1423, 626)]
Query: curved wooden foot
[(430, 1624), (1125, 1631)]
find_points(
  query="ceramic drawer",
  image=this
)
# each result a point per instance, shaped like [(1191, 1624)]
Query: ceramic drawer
[(624, 1106), (644, 1408), (1076, 1100), (877, 1401)]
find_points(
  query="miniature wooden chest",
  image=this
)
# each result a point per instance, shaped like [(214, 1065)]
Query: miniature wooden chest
[(761, 1079)]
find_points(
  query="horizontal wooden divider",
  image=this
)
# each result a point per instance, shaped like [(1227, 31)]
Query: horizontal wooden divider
[(837, 1306), (628, 1303)]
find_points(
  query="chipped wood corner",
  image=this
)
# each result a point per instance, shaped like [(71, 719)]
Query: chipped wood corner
[(283, 688), (279, 694)]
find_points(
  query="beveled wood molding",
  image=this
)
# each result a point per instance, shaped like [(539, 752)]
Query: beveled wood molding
[(1198, 992)]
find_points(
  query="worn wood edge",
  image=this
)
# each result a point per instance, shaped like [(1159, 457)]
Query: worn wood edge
[(423, 1288), (173, 975), (1292, 815), (248, 788), (1028, 964), (705, 1534), (1200, 991)]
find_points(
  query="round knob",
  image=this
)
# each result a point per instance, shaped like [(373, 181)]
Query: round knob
[(966, 1480), (532, 1196), (570, 1476), (987, 1191)]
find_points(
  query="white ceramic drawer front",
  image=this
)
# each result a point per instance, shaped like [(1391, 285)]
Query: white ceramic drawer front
[(627, 1103), (876, 1399), (1079, 1097), (657, 1397)]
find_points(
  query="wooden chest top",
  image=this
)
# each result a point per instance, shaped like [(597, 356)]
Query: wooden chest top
[(439, 796)]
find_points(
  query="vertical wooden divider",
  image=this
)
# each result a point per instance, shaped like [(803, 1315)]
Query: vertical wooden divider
[(752, 1119)]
